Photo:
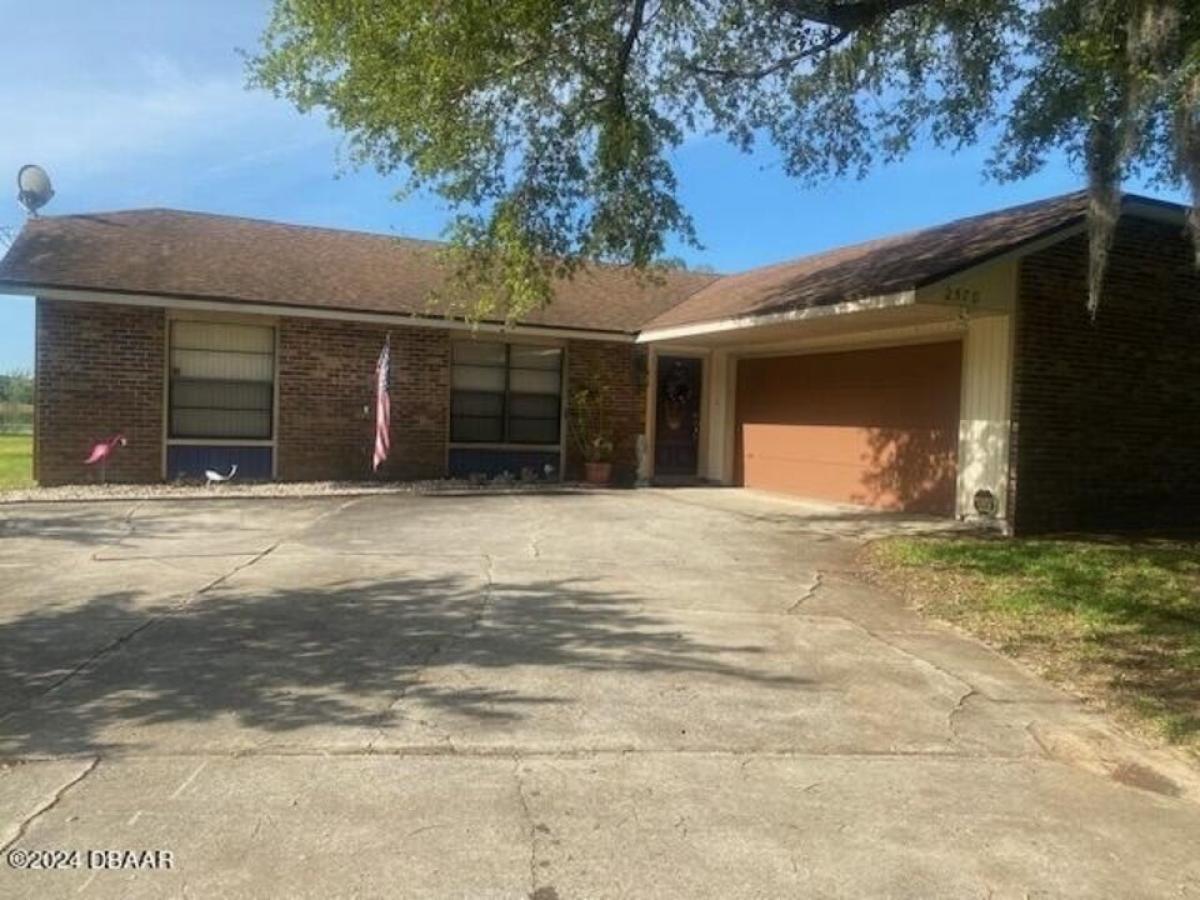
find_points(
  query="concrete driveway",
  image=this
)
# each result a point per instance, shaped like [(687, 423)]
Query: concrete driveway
[(611, 694)]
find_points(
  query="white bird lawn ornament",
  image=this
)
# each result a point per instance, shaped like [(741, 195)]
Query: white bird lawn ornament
[(212, 477)]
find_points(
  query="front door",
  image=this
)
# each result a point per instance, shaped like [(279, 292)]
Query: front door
[(677, 417)]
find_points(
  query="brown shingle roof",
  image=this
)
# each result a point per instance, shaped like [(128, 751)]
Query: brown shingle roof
[(884, 266), (197, 255), (183, 254)]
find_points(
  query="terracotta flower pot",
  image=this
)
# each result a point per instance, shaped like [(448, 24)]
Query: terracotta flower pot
[(597, 472)]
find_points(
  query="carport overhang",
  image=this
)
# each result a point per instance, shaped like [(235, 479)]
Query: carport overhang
[(973, 306), (883, 310)]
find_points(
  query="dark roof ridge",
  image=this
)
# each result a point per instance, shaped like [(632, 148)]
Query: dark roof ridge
[(329, 229), (188, 253), (256, 220), (891, 263)]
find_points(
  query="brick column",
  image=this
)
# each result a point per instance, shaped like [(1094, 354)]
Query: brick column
[(99, 372)]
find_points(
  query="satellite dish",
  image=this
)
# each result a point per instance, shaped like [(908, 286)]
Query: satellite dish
[(33, 188)]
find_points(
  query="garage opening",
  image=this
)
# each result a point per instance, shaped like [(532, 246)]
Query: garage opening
[(872, 427)]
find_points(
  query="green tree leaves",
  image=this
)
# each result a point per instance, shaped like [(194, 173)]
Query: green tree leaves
[(550, 125)]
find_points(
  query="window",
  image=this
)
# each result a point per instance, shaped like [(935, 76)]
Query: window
[(505, 393), (222, 380)]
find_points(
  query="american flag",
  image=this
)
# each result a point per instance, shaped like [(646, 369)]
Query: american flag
[(383, 406)]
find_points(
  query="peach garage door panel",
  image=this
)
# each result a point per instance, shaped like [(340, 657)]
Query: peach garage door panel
[(873, 427)]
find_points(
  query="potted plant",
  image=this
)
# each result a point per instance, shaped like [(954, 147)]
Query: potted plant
[(597, 469), (590, 430)]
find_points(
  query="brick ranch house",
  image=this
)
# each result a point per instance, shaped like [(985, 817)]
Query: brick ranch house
[(951, 371)]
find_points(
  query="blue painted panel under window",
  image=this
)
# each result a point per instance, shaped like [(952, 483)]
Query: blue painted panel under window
[(190, 461), (466, 461)]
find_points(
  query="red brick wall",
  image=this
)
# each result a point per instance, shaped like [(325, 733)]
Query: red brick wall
[(1107, 415), (326, 372), (99, 373), (622, 368)]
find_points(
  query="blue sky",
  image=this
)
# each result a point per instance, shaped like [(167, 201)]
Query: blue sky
[(141, 103)]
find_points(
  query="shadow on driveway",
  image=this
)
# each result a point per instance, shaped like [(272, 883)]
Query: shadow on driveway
[(342, 655)]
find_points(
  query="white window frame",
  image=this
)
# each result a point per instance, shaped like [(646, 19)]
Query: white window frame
[(228, 319), (564, 387)]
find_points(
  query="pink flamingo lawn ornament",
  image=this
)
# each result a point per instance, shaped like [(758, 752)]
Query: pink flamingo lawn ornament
[(102, 451)]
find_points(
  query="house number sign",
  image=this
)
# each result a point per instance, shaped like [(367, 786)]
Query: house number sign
[(963, 296)]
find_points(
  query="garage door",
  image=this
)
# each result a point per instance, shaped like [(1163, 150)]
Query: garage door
[(872, 427)]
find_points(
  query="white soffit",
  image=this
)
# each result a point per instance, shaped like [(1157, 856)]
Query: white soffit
[(787, 317), (308, 312)]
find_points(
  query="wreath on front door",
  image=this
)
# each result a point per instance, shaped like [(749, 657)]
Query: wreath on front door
[(678, 392)]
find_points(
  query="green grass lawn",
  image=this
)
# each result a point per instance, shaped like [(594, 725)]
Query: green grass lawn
[(16, 461), (1117, 622)]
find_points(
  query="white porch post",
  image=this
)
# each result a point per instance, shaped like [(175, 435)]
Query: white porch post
[(718, 411), (985, 414)]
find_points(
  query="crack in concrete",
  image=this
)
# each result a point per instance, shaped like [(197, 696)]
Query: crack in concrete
[(130, 528), (122, 639), (531, 826), (180, 605), (419, 670), (154, 557), (958, 708), (240, 567), (507, 751), (126, 523), (970, 688), (810, 592), (55, 799), (1031, 730), (108, 648), (439, 647)]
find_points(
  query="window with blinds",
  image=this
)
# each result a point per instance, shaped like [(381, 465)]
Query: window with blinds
[(505, 393), (222, 381)]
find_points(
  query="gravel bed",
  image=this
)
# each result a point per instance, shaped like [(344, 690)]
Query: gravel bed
[(89, 492)]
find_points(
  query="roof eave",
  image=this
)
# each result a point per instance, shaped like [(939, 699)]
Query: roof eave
[(905, 297), (245, 307), (1135, 206)]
